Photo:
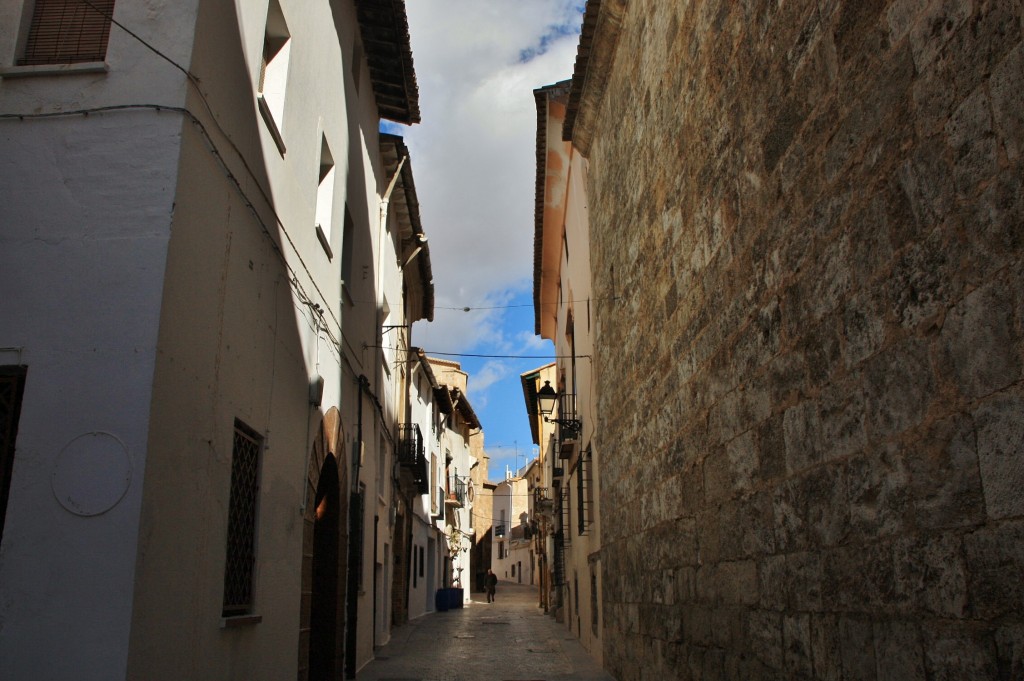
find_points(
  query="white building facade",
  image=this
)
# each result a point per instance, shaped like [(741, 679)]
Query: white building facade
[(452, 487), (190, 213)]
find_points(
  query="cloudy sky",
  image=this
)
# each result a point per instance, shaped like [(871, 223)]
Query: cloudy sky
[(477, 63)]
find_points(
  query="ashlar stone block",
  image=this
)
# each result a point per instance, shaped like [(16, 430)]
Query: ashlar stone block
[(945, 482), (1000, 429), (978, 341), (994, 560), (1005, 86), (898, 653)]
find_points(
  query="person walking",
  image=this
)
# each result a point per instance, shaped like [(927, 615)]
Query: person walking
[(491, 584)]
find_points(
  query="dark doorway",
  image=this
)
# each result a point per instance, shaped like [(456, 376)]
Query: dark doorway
[(324, 602), (12, 386)]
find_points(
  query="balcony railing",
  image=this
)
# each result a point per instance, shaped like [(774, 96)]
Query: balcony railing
[(543, 504), (410, 444), (569, 425), (411, 455), (456, 493)]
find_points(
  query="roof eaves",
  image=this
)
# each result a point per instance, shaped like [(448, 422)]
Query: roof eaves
[(384, 28), (465, 408), (407, 212), (599, 36), (541, 97)]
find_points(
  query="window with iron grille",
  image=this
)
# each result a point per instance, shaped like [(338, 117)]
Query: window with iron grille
[(584, 492), (67, 32), (242, 510), (12, 386)]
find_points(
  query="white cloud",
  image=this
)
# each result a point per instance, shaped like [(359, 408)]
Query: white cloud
[(477, 64)]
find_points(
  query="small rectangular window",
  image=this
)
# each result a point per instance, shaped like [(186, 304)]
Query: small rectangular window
[(325, 198), (347, 242), (239, 568), (273, 78), (67, 32), (581, 518)]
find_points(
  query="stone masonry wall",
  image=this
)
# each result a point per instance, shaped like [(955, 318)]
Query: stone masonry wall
[(809, 214)]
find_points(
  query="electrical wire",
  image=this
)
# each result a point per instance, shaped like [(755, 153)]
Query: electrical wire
[(195, 82), (212, 147), (476, 308), (430, 353)]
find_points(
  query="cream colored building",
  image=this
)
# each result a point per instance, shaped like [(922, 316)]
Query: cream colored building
[(198, 257), (548, 571), (513, 556), (453, 461), (565, 313)]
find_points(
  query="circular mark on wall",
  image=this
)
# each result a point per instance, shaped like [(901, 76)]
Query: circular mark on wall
[(92, 474)]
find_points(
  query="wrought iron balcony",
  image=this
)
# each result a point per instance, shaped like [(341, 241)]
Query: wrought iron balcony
[(456, 493), (569, 425), (410, 444), (543, 504), (411, 455)]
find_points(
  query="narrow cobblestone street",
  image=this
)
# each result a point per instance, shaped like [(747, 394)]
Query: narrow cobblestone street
[(508, 640)]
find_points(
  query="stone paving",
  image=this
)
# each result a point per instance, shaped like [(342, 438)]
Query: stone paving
[(508, 640)]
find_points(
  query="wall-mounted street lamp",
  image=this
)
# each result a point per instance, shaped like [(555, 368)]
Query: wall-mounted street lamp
[(546, 400)]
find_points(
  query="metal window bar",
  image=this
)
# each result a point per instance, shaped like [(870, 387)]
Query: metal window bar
[(565, 515), (458, 489), (411, 455), (558, 569), (241, 544), (581, 516), (569, 424), (67, 32), (410, 447)]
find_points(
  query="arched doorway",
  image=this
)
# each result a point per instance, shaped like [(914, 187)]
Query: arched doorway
[(324, 564), (324, 591)]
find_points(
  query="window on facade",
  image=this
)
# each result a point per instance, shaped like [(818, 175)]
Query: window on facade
[(581, 518), (433, 474), (584, 492), (357, 529), (381, 466), (421, 561), (274, 71), (12, 387), (325, 197), (347, 237), (595, 625), (388, 338), (242, 511), (576, 589), (67, 32)]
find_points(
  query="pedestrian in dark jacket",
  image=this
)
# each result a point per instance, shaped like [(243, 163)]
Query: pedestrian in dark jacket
[(492, 585)]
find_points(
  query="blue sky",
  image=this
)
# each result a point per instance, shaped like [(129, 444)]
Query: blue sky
[(494, 387), (473, 156)]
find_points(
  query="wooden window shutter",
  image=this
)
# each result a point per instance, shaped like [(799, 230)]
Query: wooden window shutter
[(68, 32)]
